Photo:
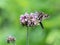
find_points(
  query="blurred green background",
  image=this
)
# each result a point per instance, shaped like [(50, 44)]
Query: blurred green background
[(10, 11)]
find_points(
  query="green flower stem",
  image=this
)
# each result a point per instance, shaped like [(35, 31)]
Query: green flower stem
[(14, 43), (27, 36)]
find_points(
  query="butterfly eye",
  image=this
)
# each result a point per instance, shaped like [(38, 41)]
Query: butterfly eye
[(45, 15)]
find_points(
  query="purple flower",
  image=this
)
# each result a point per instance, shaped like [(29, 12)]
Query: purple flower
[(36, 15), (10, 39), (32, 19)]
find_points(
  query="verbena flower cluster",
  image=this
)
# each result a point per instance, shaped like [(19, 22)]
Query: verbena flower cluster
[(32, 19), (10, 39)]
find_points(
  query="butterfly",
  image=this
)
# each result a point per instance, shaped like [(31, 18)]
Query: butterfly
[(41, 17)]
